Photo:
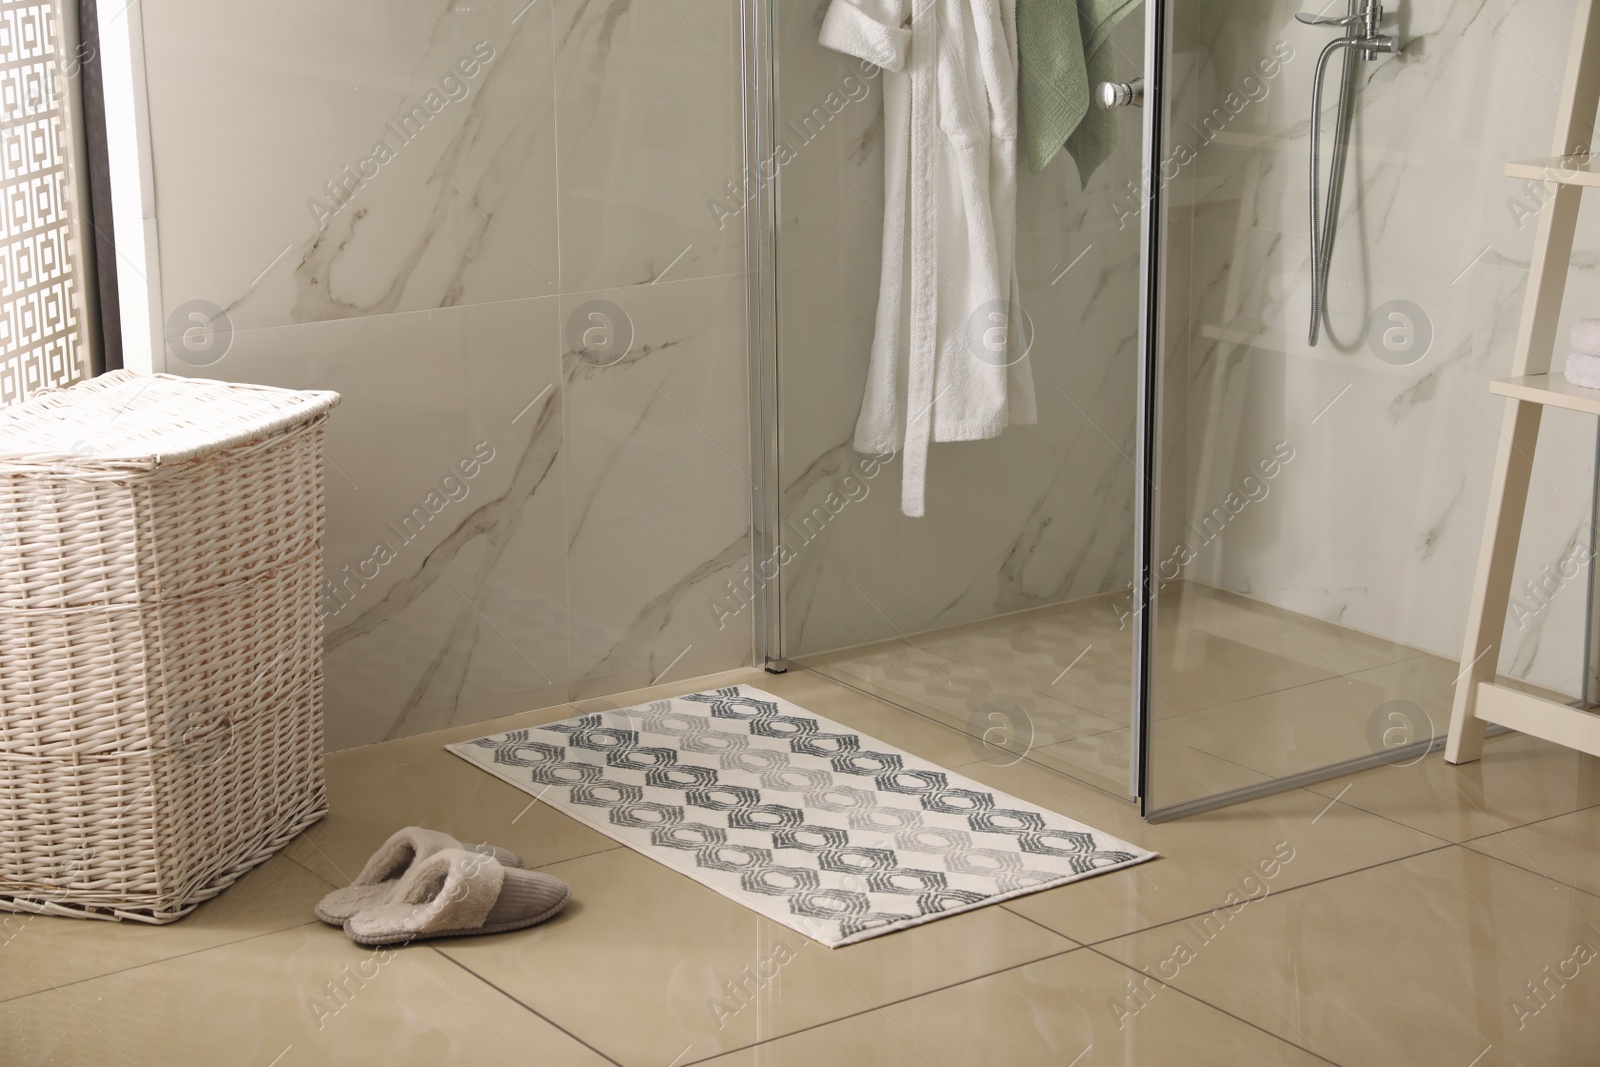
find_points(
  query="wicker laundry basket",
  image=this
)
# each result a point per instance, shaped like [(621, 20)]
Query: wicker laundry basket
[(160, 641)]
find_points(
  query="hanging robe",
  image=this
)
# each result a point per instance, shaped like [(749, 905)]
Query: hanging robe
[(949, 352)]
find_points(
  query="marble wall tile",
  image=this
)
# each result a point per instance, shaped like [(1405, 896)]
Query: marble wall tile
[(1378, 522), (255, 113), (446, 595), (1039, 515), (658, 487), (648, 97), (825, 323), (830, 193), (608, 505)]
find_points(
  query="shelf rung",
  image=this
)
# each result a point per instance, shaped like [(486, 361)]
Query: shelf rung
[(1572, 727), (1562, 170), (1551, 390)]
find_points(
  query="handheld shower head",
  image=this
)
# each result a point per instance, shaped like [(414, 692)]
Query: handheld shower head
[(1361, 34)]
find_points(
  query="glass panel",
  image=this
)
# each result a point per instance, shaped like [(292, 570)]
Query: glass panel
[(1322, 498), (1004, 612)]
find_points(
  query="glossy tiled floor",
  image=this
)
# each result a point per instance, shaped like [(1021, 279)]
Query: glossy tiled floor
[(1395, 917), (1244, 692)]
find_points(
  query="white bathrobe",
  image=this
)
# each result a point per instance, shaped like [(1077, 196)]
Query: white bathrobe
[(949, 358)]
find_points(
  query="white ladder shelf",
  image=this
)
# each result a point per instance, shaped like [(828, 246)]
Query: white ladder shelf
[(1531, 388)]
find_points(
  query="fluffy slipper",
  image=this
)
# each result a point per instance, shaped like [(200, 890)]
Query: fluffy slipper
[(454, 893), (381, 876)]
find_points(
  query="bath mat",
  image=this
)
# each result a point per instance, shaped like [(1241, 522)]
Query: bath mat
[(823, 829)]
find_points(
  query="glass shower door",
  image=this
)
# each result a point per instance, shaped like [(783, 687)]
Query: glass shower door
[(1321, 490), (1005, 611)]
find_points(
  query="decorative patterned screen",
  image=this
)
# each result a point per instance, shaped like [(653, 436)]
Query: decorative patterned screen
[(41, 270)]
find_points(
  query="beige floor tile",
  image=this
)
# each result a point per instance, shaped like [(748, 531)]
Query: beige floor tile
[(1519, 780), (996, 729), (374, 791), (646, 964), (1197, 609), (377, 790), (1183, 773), (860, 1039), (38, 951), (1077, 653), (1058, 1011), (1099, 760), (1225, 671), (1031, 652), (44, 1030), (1253, 692), (1232, 648), (1421, 962), (1215, 648), (1310, 726), (1204, 857), (302, 996), (1103, 613), (1566, 848), (960, 695)]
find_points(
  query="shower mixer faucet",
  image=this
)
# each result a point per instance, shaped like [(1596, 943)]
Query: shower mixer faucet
[(1369, 41), (1362, 34)]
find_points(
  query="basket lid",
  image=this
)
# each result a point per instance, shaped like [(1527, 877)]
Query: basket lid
[(122, 420)]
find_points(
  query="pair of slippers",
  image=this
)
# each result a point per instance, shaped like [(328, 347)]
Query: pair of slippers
[(424, 884)]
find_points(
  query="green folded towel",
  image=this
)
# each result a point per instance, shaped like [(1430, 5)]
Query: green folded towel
[(1064, 49)]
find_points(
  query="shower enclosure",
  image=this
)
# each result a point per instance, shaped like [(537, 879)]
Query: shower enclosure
[(1228, 559)]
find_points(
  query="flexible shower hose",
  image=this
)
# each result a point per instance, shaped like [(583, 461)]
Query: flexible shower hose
[(1323, 228)]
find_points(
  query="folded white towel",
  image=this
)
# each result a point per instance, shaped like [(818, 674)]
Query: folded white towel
[(1586, 336), (1584, 370)]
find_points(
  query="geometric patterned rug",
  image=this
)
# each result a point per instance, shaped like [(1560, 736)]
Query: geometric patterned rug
[(825, 830)]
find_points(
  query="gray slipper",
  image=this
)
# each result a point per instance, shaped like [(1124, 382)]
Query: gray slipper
[(381, 876), (454, 893)]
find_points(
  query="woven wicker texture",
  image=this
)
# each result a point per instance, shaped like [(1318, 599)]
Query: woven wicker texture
[(160, 645)]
